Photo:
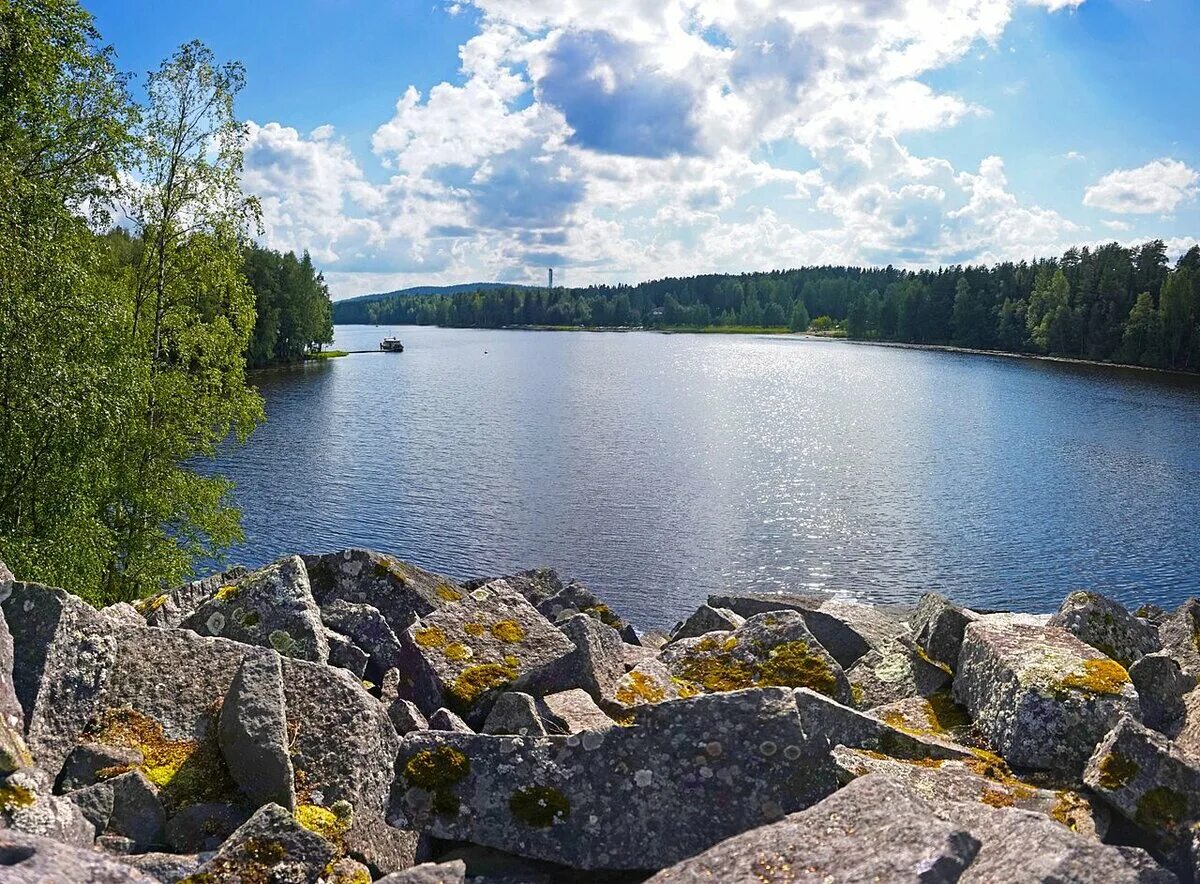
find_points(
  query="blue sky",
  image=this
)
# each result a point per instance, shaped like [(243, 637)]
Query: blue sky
[(407, 143)]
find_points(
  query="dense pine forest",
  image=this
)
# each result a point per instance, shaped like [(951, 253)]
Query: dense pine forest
[(1112, 303)]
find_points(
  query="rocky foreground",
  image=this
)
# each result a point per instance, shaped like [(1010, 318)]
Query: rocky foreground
[(349, 718)]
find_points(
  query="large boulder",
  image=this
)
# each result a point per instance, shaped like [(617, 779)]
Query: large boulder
[(706, 619), (366, 627), (1185, 731), (1141, 775), (204, 827), (575, 598), (463, 654), (169, 609), (454, 872), (569, 712), (647, 683), (13, 751), (1041, 697), (536, 584), (596, 664), (126, 805), (270, 846), (63, 654), (272, 607), (938, 625), (896, 670), (1180, 635), (29, 859), (872, 830), (847, 630), (399, 591), (943, 782), (1107, 627), (28, 805), (343, 748), (253, 733), (689, 774), (89, 763), (1161, 685), (774, 649), (514, 713), (830, 723)]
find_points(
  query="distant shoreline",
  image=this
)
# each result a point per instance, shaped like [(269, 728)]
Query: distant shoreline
[(770, 331)]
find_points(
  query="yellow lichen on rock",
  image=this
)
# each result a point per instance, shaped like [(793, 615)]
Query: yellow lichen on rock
[(640, 688), (474, 681), (1099, 676), (430, 637), (509, 631)]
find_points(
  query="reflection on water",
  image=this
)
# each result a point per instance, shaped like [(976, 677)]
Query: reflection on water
[(658, 469)]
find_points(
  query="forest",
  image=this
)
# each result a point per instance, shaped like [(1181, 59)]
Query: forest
[(134, 300), (1110, 303)]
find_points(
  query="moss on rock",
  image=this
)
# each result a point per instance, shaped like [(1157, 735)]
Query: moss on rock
[(1116, 770), (539, 806)]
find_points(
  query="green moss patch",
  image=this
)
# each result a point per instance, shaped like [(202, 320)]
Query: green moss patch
[(437, 771), (539, 806), (1116, 770)]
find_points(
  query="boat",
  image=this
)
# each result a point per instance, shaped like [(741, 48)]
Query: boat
[(391, 345)]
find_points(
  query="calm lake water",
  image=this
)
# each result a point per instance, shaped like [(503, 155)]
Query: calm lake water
[(660, 468)]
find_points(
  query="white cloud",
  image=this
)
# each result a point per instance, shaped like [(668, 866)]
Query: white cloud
[(1153, 189), (625, 139)]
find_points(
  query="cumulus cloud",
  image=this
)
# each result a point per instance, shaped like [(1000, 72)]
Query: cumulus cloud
[(624, 139), (1153, 189)]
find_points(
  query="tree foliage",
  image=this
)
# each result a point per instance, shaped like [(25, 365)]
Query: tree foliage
[(1079, 306), (122, 357)]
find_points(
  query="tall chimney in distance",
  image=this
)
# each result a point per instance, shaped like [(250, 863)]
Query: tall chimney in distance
[(551, 277)]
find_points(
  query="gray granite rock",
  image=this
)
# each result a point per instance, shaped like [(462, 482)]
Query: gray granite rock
[(84, 765), (706, 619), (253, 731), (1144, 777), (1185, 731), (845, 631), (774, 649), (14, 753), (62, 656), (462, 655), (365, 626), (445, 720), (896, 670), (272, 607), (573, 711), (872, 830), (829, 723), (1180, 636), (453, 872), (169, 609), (947, 782), (575, 598), (691, 773), (515, 713), (1106, 626), (270, 846), (203, 827), (406, 717), (1161, 686), (28, 859), (28, 805), (596, 664), (343, 749), (5, 574), (647, 683), (938, 626), (1019, 847), (166, 868), (122, 614), (400, 591), (346, 654), (126, 805), (1041, 697), (536, 584)]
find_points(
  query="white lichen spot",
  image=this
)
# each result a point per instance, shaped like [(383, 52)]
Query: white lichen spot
[(706, 773), (481, 595), (215, 622), (791, 753), (767, 748), (28, 606), (713, 749), (643, 778), (573, 740), (592, 740)]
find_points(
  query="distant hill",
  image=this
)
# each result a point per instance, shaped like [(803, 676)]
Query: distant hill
[(354, 310)]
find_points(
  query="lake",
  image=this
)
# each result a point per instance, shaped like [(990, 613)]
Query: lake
[(660, 468)]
